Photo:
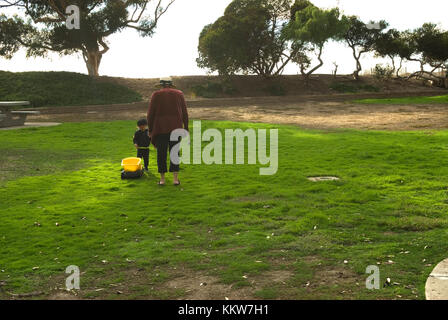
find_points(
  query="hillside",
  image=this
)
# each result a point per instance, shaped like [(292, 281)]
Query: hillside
[(198, 87), (62, 89), (47, 89)]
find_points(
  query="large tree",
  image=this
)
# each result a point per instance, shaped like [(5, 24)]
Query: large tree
[(395, 44), (310, 29), (361, 38), (46, 29), (431, 49), (248, 39)]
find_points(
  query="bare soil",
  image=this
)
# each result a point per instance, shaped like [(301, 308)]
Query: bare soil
[(308, 111)]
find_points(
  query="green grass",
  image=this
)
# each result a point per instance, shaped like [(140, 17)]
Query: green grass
[(407, 100), (225, 221), (44, 89)]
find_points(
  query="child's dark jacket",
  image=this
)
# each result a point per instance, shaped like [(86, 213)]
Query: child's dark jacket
[(141, 138)]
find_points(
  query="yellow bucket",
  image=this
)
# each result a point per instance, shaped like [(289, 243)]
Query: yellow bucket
[(131, 164)]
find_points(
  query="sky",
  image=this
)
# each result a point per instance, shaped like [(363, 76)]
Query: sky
[(172, 51)]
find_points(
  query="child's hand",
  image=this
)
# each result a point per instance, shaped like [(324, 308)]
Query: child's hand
[(136, 146)]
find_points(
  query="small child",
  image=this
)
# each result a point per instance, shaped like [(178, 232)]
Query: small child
[(142, 141)]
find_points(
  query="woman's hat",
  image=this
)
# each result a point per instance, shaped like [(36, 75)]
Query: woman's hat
[(165, 81)]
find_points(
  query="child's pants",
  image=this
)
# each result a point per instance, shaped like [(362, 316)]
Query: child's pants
[(144, 153)]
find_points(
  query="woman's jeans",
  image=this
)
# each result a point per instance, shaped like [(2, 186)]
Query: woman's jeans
[(164, 144)]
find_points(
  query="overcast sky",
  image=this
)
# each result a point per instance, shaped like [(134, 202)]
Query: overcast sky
[(173, 49)]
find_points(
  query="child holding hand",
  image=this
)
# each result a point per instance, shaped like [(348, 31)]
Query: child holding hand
[(142, 141)]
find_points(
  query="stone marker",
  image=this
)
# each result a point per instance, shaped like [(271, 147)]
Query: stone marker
[(437, 283), (317, 179)]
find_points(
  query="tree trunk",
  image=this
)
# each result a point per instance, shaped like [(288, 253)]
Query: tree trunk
[(393, 64), (358, 64), (93, 61), (358, 69), (321, 63), (399, 68)]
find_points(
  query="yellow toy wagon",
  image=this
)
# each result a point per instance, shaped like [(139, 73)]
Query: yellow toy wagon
[(132, 168)]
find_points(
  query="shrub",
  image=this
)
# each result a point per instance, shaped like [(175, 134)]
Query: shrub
[(213, 89), (353, 88), (275, 89), (383, 73)]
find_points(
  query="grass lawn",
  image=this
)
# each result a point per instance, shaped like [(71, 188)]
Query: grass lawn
[(407, 100), (43, 89), (228, 222)]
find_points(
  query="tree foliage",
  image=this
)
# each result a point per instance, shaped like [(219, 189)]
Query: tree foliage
[(310, 29), (11, 29), (46, 28), (361, 38), (431, 48), (395, 44), (247, 39)]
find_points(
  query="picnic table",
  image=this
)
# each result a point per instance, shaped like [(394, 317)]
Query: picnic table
[(10, 117)]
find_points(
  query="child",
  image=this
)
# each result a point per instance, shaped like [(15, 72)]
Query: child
[(142, 141)]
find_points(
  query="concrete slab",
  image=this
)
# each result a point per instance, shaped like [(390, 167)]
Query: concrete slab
[(437, 284), (33, 125), (325, 178)]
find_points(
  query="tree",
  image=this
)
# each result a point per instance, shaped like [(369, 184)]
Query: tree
[(395, 44), (431, 48), (309, 31), (361, 38), (46, 28), (247, 39)]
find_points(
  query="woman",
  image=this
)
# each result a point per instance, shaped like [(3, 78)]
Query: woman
[(167, 112)]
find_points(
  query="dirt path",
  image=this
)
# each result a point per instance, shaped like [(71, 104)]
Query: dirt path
[(316, 111)]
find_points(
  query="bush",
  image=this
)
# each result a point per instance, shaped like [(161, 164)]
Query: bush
[(383, 73), (352, 88), (275, 89), (213, 89)]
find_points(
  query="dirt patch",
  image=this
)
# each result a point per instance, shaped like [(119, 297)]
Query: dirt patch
[(63, 296), (324, 112), (334, 277), (198, 286)]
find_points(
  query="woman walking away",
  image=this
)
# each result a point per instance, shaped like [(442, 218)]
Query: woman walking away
[(167, 112)]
